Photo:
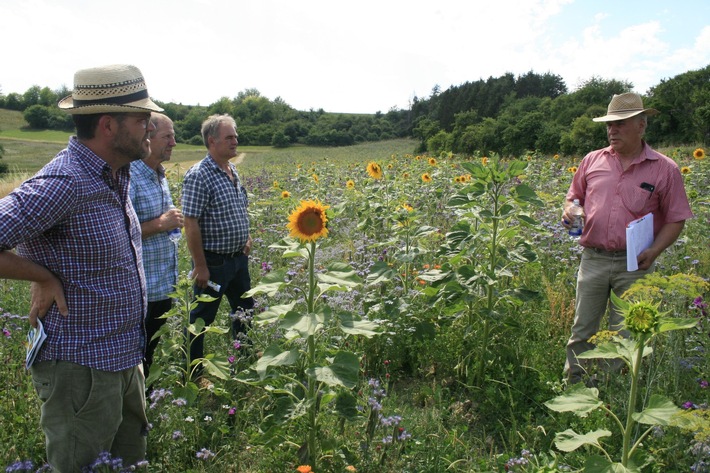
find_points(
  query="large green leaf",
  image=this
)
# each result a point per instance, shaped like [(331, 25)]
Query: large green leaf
[(659, 411), (670, 323), (340, 274), (569, 440), (305, 324), (380, 272), (623, 348), (274, 356), (270, 284), (197, 327), (342, 372), (291, 247), (578, 399), (424, 230), (216, 365), (353, 325), (273, 313)]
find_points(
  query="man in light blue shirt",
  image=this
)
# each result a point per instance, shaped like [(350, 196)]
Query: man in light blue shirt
[(161, 225)]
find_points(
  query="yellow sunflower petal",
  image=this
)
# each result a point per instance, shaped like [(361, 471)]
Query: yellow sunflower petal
[(308, 222)]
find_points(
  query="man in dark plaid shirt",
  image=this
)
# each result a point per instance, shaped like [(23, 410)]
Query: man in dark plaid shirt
[(78, 240), (214, 203)]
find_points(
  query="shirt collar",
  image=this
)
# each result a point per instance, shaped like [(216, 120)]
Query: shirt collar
[(645, 154)]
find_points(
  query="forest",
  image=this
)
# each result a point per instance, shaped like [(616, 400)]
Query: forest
[(506, 115)]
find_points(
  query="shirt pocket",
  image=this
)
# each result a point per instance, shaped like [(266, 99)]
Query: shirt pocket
[(638, 201)]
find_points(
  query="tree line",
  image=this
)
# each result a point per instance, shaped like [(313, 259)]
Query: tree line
[(507, 115)]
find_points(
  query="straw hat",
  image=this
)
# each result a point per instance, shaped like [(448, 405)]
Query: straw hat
[(625, 106), (117, 88)]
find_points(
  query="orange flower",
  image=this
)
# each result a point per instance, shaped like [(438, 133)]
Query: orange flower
[(304, 469)]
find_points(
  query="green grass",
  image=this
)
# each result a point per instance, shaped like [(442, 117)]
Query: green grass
[(26, 151)]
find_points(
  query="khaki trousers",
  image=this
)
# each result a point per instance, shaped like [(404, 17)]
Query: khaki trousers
[(599, 273), (86, 412)]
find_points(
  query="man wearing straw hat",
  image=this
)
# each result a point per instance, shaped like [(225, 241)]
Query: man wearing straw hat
[(616, 185), (77, 238)]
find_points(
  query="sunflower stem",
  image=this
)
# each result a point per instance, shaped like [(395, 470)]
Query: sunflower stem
[(635, 371)]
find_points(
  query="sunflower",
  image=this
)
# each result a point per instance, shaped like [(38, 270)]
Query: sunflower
[(685, 170), (390, 166), (374, 170), (572, 169), (457, 179), (285, 194), (407, 207), (432, 161), (315, 177), (426, 177), (405, 175), (308, 222), (557, 156), (699, 154), (350, 184), (276, 184), (642, 317), (484, 160)]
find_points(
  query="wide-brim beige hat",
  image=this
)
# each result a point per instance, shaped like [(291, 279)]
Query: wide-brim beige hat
[(624, 106), (119, 88)]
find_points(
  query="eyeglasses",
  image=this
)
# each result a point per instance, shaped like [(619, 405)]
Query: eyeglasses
[(143, 119)]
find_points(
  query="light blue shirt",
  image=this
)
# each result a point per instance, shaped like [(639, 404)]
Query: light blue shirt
[(150, 195)]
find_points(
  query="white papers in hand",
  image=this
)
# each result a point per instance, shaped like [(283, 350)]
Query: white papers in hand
[(35, 338), (639, 236)]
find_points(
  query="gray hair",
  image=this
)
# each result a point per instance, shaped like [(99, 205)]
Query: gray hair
[(159, 120), (210, 127)]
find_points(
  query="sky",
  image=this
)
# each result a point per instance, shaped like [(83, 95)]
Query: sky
[(344, 56)]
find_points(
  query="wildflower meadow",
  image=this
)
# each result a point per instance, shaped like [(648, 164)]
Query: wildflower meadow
[(411, 315)]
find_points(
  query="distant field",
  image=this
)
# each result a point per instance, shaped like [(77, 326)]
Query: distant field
[(26, 151)]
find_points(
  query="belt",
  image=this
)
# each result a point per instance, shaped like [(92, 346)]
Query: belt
[(601, 251), (224, 255)]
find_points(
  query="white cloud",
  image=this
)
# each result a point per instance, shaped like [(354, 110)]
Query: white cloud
[(342, 56)]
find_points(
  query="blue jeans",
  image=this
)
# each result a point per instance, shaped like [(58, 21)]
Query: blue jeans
[(232, 274)]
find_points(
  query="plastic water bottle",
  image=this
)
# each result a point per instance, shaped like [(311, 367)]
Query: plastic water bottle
[(175, 234), (577, 213)]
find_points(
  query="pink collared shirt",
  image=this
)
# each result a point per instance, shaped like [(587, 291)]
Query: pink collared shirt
[(612, 197)]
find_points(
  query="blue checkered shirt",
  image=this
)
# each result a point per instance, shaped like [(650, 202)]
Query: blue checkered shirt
[(218, 204), (151, 198), (75, 219)]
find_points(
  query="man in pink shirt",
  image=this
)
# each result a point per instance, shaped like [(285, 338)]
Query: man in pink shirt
[(616, 185)]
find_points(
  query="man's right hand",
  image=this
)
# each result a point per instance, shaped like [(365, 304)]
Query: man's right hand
[(200, 274), (43, 294), (567, 219)]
